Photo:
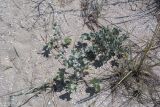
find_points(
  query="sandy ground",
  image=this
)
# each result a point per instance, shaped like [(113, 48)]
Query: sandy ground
[(20, 40)]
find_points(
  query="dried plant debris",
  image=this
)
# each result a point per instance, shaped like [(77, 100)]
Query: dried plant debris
[(157, 6), (153, 6), (65, 2), (90, 12)]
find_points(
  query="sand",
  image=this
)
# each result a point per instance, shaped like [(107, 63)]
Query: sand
[(21, 32)]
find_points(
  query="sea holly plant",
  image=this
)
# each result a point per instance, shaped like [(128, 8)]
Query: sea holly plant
[(53, 43), (47, 48), (56, 42), (60, 75), (67, 41), (106, 43), (96, 84), (71, 86), (95, 47)]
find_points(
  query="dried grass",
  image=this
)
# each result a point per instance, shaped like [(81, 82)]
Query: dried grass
[(90, 12)]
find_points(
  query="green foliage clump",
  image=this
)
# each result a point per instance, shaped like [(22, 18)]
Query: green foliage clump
[(67, 41), (106, 43), (93, 47), (96, 84)]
